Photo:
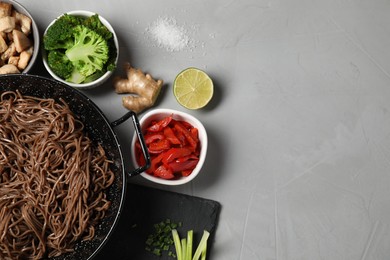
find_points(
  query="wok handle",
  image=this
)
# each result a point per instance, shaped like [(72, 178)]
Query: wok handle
[(141, 139)]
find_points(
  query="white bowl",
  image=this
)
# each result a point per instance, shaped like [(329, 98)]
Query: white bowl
[(158, 114), (35, 33), (105, 76)]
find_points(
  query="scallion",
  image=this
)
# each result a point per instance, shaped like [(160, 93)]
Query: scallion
[(176, 240), (202, 247), (189, 244), (184, 246)]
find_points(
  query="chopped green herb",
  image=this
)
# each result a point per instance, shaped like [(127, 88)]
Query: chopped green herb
[(134, 226), (161, 240)]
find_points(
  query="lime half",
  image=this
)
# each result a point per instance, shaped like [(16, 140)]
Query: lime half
[(193, 88)]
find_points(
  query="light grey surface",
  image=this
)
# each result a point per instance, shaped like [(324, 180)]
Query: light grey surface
[(299, 127)]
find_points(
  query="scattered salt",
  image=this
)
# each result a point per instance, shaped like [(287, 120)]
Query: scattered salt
[(169, 35)]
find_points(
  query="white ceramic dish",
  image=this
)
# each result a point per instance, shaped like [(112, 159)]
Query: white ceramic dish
[(158, 114), (98, 81), (35, 33)]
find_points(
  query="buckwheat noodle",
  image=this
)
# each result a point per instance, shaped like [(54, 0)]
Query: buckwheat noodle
[(52, 178)]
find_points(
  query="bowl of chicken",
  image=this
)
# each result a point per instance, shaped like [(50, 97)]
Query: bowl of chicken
[(19, 41)]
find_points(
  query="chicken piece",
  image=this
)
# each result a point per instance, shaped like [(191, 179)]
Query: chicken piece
[(3, 45), (9, 69), (21, 41), (11, 51), (23, 21), (9, 36), (24, 58), (5, 9), (7, 24), (14, 60)]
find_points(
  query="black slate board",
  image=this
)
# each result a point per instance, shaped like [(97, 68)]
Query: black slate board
[(145, 207)]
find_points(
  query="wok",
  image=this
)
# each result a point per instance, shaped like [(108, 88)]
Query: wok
[(99, 130)]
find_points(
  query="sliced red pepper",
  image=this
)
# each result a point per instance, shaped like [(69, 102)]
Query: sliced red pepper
[(181, 137), (182, 129), (152, 137), (195, 134), (186, 125), (140, 158), (186, 158), (164, 172), (160, 125), (186, 173), (155, 163), (159, 146), (183, 166), (170, 135), (175, 153)]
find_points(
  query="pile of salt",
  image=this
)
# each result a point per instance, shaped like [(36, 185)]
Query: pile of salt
[(169, 35)]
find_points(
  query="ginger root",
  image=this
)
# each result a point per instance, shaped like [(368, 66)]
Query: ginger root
[(143, 87)]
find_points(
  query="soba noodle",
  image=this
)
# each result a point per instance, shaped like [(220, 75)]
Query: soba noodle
[(52, 178)]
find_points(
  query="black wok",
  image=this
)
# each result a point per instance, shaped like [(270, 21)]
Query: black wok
[(99, 130)]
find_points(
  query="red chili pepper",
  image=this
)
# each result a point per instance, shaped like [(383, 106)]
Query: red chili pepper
[(160, 125)]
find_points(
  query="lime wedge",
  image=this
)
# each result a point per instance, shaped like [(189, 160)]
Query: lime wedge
[(193, 88)]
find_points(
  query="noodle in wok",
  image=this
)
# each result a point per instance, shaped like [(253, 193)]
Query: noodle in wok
[(52, 178)]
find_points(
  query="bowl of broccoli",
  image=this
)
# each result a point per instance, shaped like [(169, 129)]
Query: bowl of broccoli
[(80, 49)]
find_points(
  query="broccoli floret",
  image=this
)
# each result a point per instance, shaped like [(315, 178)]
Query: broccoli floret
[(60, 34), (76, 77), (93, 22), (60, 64), (63, 67), (111, 65), (89, 52), (94, 76)]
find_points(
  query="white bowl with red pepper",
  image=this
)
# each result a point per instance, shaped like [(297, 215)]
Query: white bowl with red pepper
[(177, 145)]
